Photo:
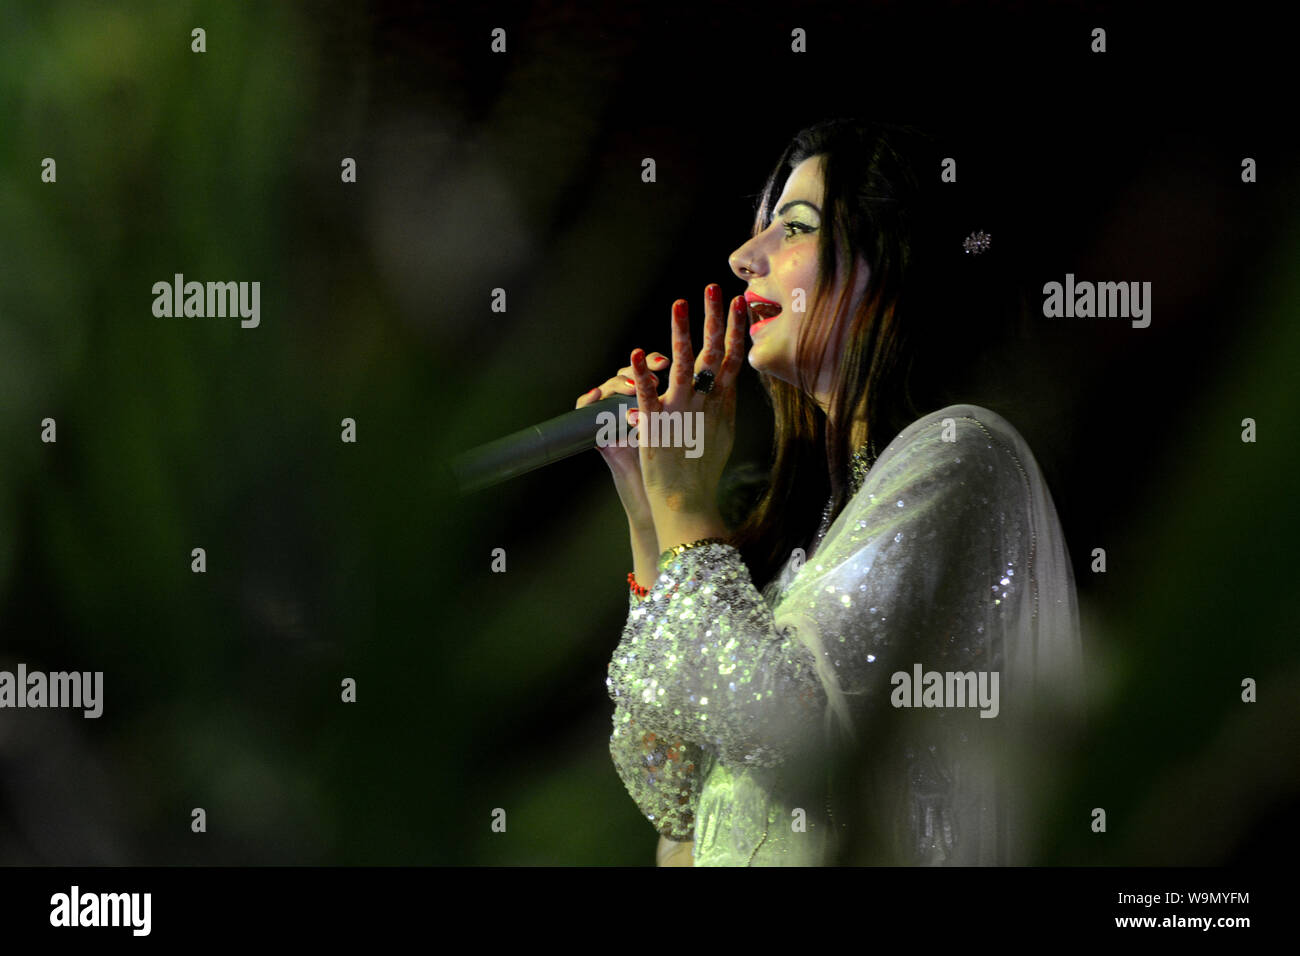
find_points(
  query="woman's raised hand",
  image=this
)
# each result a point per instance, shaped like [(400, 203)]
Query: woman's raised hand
[(624, 462), (682, 489)]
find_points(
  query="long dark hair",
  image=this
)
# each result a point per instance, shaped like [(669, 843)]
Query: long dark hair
[(884, 201)]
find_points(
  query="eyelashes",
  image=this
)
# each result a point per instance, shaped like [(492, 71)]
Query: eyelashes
[(790, 228)]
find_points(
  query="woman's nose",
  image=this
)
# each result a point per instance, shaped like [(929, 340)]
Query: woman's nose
[(747, 261)]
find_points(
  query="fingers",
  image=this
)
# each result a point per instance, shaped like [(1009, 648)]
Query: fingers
[(622, 383), (647, 395), (682, 372), (712, 354), (656, 362), (734, 356), (625, 373), (628, 374)]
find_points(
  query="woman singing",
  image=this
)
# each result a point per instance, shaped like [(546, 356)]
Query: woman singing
[(873, 701)]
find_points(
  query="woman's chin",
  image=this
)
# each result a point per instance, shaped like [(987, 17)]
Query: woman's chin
[(759, 361)]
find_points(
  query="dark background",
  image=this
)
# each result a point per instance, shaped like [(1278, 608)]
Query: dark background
[(328, 560)]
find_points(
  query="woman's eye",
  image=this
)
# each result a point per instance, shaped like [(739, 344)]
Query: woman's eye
[(794, 227)]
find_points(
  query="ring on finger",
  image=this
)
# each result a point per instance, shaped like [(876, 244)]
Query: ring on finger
[(704, 380)]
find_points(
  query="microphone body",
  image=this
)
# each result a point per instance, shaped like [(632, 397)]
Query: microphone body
[(536, 446)]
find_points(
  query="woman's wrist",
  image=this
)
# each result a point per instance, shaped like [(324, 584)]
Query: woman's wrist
[(645, 554), (642, 527), (684, 528)]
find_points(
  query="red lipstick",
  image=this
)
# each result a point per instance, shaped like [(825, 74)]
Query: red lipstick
[(765, 309)]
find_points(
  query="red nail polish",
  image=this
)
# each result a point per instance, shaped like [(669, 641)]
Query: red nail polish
[(629, 381), (715, 293)]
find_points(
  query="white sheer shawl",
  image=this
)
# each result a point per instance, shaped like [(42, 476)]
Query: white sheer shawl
[(954, 545)]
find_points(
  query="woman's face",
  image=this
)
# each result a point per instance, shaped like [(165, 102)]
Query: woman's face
[(780, 265)]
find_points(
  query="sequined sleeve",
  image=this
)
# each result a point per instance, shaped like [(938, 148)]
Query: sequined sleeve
[(706, 659), (661, 773), (700, 660)]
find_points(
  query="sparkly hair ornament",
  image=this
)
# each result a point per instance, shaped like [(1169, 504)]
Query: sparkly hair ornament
[(977, 243)]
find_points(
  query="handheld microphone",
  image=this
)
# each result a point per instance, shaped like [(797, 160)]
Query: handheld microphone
[(536, 446)]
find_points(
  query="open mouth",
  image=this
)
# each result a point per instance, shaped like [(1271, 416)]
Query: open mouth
[(765, 312)]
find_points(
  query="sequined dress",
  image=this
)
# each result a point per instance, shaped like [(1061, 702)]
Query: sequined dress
[(948, 557)]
